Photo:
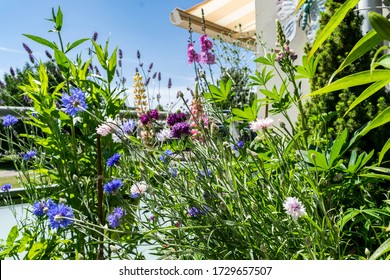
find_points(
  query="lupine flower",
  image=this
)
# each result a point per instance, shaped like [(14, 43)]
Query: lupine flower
[(29, 155), (113, 160), (60, 216), (74, 102), (115, 218), (176, 118), (113, 186), (6, 187), (181, 129), (138, 189), (163, 134), (294, 208), (140, 98), (260, 124), (9, 120)]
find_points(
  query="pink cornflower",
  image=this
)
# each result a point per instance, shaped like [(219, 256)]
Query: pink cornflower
[(106, 128), (260, 124), (294, 208)]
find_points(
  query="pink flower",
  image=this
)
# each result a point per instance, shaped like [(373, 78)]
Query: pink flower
[(106, 128), (260, 124), (294, 208), (205, 43), (191, 54), (207, 57)]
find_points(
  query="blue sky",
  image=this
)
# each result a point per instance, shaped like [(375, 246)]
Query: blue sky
[(131, 25)]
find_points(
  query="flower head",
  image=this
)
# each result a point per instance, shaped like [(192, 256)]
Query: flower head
[(294, 208), (163, 157), (123, 129), (192, 55), (196, 212), (29, 155), (176, 118), (106, 128), (39, 208), (115, 217), (260, 124), (6, 187), (113, 160), (180, 129), (9, 120), (238, 145), (113, 186), (163, 134), (60, 216), (138, 189), (74, 102)]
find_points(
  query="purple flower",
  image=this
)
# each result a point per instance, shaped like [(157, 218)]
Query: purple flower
[(205, 44), (207, 58), (39, 208), (169, 83), (112, 186), (60, 216), (115, 218), (176, 118), (31, 57), (6, 187), (9, 120), (12, 72), (128, 126), (163, 157), (192, 55), (29, 155), (154, 114), (180, 129), (113, 160), (48, 54), (144, 119), (173, 171), (138, 55), (94, 36), (120, 54), (239, 145), (196, 212), (203, 174), (159, 76), (74, 102)]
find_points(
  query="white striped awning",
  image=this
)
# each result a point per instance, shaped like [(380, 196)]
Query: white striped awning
[(232, 19)]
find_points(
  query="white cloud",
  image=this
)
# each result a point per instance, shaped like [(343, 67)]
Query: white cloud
[(3, 49)]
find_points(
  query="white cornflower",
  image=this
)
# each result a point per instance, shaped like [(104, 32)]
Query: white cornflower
[(259, 124), (138, 189), (294, 208), (163, 134)]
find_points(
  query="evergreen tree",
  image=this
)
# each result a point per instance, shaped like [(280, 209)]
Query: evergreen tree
[(325, 113)]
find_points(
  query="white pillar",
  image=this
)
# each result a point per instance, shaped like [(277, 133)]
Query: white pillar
[(366, 6)]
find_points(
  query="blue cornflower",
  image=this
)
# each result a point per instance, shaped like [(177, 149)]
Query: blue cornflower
[(195, 212), (239, 145), (74, 102), (60, 216), (113, 160), (129, 126), (173, 171), (114, 219), (29, 155), (113, 186), (163, 157), (6, 187), (9, 120), (39, 208), (202, 174)]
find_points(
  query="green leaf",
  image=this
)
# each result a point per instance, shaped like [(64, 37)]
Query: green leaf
[(336, 19), (384, 248), (381, 119), (337, 146), (364, 45), (75, 44), (384, 61), (380, 24), (318, 159), (12, 235), (100, 55), (41, 41), (347, 217), (367, 93), (59, 19), (353, 80), (384, 150), (62, 60), (36, 249)]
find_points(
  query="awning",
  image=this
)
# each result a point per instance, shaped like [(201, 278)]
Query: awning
[(230, 19)]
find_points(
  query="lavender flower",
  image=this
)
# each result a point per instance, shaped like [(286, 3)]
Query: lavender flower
[(120, 54), (181, 129), (294, 208), (196, 212), (9, 120), (115, 218), (31, 57), (159, 76), (113, 186), (2, 85), (95, 36), (169, 83), (113, 160), (74, 102), (138, 55), (48, 54), (29, 155), (6, 187), (27, 48), (60, 216), (12, 72)]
